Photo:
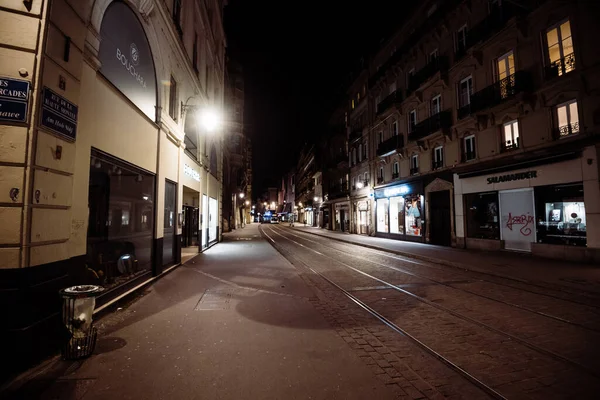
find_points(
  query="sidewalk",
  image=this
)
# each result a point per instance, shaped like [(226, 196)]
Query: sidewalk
[(518, 266), (235, 322)]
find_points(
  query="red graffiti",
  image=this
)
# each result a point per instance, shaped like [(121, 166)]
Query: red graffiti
[(525, 220)]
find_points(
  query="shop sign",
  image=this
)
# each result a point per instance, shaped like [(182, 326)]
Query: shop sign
[(512, 177), (126, 59), (393, 191), (192, 173), (58, 114), (14, 95)]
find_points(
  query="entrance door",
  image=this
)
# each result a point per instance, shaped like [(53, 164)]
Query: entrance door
[(342, 220), (189, 235), (362, 221), (170, 217), (204, 221), (517, 222), (441, 229), (212, 220)]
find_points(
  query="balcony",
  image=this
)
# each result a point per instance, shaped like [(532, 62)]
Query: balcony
[(496, 93), (438, 64), (395, 175), (390, 145), (380, 179), (439, 121), (567, 130), (508, 145), (414, 170), (560, 67), (392, 99), (437, 164), (355, 135), (468, 156)]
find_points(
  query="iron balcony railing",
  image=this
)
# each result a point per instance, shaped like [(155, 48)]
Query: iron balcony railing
[(494, 22), (390, 145), (439, 121), (496, 93), (438, 64), (567, 130), (468, 156), (560, 66), (510, 144), (338, 190), (380, 179), (437, 164), (414, 170), (392, 99), (395, 175)]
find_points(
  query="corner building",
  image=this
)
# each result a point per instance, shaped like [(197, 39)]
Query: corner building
[(107, 171), (484, 120)]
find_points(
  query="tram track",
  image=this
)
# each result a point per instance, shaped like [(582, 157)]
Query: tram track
[(451, 285), (379, 315)]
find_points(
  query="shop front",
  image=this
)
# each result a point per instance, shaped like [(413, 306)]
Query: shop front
[(361, 216), (547, 209), (342, 216), (399, 212)]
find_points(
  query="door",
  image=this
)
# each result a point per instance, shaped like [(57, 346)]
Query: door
[(204, 221), (440, 226), (363, 222), (517, 221), (212, 220), (170, 216)]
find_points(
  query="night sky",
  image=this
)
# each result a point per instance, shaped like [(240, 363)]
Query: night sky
[(297, 58)]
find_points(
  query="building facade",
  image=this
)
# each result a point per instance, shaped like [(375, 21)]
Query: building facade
[(483, 116), (107, 167)]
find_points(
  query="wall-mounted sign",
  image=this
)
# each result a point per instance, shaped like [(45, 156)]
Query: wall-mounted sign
[(58, 114), (14, 95), (126, 60), (512, 177), (393, 191), (192, 173)]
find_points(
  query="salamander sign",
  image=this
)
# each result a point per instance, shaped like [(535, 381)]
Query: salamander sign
[(512, 177)]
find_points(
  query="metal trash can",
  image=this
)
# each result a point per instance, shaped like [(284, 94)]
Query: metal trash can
[(77, 312)]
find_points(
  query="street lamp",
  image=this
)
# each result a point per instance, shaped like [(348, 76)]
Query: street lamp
[(316, 199), (359, 185), (208, 116), (241, 195), (248, 203)]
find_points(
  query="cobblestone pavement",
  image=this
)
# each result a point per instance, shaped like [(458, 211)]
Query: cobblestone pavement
[(521, 342)]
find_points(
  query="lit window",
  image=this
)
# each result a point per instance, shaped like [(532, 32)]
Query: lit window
[(568, 118), (436, 104), (506, 69), (560, 49), (352, 104), (510, 138)]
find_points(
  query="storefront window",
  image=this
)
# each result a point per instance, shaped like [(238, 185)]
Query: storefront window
[(482, 215), (382, 215), (121, 215), (397, 215), (414, 215), (560, 212)]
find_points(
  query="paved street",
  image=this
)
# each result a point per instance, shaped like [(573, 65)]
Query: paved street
[(275, 312)]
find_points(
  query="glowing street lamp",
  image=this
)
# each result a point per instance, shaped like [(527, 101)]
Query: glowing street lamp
[(248, 203), (241, 195), (211, 119), (359, 185), (316, 199)]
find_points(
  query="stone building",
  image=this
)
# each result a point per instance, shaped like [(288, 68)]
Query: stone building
[(110, 159), (483, 119)]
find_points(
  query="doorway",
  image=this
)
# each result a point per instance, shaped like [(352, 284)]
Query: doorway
[(191, 219), (441, 225), (517, 222), (169, 229)]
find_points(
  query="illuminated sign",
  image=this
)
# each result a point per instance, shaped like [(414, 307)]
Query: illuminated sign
[(512, 177), (192, 173), (396, 191)]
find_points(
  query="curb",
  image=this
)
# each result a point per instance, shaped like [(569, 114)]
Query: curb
[(462, 266)]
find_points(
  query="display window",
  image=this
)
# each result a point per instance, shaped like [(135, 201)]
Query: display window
[(560, 213), (382, 215), (397, 215), (482, 215), (414, 215)]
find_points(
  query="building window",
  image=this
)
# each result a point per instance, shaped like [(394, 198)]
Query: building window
[(357, 97), (433, 55), (380, 176), (568, 118), (505, 69), (380, 137), (395, 170), (482, 217), (353, 155), (412, 120), (353, 183), (395, 128), (414, 164), (469, 148), (195, 53), (377, 101), (392, 87), (177, 15), (360, 152), (436, 104), (382, 215), (560, 212), (461, 40), (465, 91), (560, 49), (366, 178), (365, 155), (438, 157), (352, 104), (510, 135), (173, 99)]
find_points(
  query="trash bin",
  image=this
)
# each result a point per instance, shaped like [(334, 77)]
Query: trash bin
[(77, 312)]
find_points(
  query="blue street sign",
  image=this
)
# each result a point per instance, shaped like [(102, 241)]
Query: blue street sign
[(14, 95), (58, 114)]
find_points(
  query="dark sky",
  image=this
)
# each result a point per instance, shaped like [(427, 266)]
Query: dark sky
[(296, 56)]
